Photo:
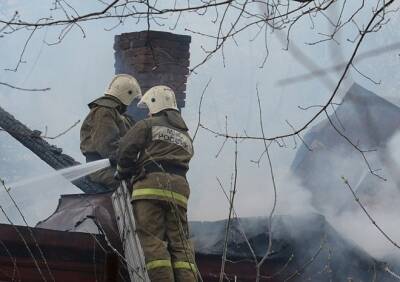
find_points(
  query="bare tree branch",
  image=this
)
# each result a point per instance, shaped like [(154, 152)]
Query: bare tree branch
[(346, 182), (24, 89)]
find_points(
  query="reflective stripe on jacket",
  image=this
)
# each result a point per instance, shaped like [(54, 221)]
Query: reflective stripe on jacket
[(157, 193), (159, 139)]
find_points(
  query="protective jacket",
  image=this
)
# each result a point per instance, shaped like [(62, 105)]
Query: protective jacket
[(100, 134), (158, 150)]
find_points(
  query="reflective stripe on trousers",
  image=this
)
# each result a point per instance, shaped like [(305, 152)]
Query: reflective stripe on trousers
[(184, 265), (167, 263), (157, 192), (179, 271), (158, 263)]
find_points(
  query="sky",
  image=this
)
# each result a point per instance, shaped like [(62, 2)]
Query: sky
[(79, 68)]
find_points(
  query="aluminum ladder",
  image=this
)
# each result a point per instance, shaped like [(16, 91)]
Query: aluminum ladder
[(121, 200)]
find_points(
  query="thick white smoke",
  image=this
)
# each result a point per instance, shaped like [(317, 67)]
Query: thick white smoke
[(381, 202), (394, 146)]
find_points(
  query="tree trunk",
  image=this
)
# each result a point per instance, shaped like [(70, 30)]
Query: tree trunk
[(50, 154)]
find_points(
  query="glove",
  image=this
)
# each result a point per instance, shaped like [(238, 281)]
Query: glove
[(113, 160), (119, 175)]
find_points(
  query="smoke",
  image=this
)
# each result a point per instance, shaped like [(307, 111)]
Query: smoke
[(254, 192), (394, 148), (294, 199), (383, 207), (325, 193), (380, 198), (357, 228)]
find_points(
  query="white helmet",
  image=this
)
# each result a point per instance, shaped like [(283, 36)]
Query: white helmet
[(158, 98), (124, 87)]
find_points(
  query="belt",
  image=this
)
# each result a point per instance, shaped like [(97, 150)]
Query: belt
[(91, 157), (166, 167)]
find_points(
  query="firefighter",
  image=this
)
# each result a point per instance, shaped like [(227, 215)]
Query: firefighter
[(157, 150), (106, 123)]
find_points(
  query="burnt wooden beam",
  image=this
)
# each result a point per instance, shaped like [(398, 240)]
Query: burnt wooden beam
[(50, 154)]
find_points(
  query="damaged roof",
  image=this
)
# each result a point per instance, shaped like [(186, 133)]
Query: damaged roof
[(304, 247)]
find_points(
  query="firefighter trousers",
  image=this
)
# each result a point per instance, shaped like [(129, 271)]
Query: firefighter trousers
[(163, 233)]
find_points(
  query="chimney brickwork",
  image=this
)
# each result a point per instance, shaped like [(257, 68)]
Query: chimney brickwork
[(154, 58)]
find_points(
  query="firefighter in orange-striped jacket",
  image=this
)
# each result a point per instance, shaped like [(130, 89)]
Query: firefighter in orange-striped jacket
[(157, 150)]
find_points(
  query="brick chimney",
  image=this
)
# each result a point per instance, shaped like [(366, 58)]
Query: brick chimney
[(154, 58)]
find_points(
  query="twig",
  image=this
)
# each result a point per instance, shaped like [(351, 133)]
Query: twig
[(14, 262), (310, 261), (25, 89), (63, 132), (200, 103), (368, 214), (271, 171), (330, 99), (30, 230), (241, 230), (38, 134), (231, 201), (25, 243), (356, 147)]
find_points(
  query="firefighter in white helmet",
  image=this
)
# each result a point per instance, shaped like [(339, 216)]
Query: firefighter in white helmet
[(106, 123), (157, 150)]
